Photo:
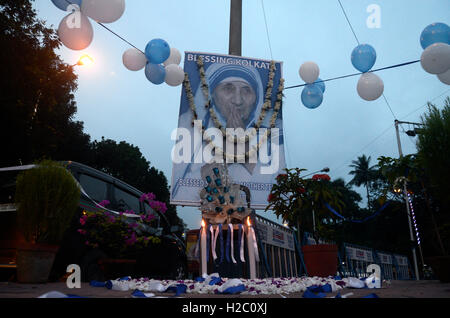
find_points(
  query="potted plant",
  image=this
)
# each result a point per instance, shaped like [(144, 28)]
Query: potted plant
[(119, 237), (300, 202), (47, 197)]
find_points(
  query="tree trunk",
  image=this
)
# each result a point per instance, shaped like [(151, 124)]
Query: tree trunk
[(368, 198)]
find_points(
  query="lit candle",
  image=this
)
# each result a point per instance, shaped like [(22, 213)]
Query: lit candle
[(251, 250), (204, 269)]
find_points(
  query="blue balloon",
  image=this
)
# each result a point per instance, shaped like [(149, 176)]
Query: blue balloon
[(321, 84), (155, 73), (434, 33), (364, 57), (157, 51), (312, 96), (63, 4)]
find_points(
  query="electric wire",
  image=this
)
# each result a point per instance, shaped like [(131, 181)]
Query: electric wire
[(348, 21), (267, 29)]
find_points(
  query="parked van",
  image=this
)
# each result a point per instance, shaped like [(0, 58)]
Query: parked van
[(167, 260)]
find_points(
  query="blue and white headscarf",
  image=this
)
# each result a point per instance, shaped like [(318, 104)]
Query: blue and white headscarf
[(216, 74)]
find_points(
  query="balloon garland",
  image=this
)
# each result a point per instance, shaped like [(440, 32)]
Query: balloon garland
[(435, 59), (161, 62)]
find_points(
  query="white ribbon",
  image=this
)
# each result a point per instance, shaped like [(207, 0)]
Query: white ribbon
[(255, 244), (214, 240), (230, 228), (242, 246)]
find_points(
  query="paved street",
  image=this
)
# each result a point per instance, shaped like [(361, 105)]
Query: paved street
[(396, 289)]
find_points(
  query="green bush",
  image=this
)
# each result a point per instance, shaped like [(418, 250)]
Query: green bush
[(47, 197)]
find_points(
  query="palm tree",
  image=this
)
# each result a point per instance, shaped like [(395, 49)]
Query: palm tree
[(362, 173)]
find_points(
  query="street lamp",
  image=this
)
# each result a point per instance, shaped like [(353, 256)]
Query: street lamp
[(85, 60), (405, 194), (326, 169)]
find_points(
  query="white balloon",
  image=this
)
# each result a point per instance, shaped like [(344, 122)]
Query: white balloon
[(445, 77), (104, 11), (174, 58), (370, 86), (75, 31), (174, 75), (134, 60), (309, 72), (436, 58)]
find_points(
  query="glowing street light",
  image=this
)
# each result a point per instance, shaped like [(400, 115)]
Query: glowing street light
[(85, 60)]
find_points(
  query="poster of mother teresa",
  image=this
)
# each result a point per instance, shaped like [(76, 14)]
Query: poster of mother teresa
[(236, 91)]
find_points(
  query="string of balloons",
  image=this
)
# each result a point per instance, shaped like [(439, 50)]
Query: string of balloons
[(161, 62), (435, 59)]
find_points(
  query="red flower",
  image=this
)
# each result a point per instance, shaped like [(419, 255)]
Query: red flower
[(281, 176), (321, 177), (301, 190), (271, 198)]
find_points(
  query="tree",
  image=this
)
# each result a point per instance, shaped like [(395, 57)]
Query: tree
[(434, 149), (409, 169), (362, 174), (301, 202), (126, 162), (36, 91)]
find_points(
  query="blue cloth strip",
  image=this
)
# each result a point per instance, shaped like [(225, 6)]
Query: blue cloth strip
[(227, 251), (215, 280), (137, 293), (239, 240), (310, 294), (95, 283), (357, 221), (177, 289)]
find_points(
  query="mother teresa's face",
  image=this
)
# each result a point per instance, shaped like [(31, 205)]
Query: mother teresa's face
[(235, 99)]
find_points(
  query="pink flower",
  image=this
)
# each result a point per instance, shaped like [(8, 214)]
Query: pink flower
[(131, 240), (83, 219), (82, 232), (104, 203), (149, 197)]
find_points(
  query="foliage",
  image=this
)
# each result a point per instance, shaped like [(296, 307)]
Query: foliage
[(434, 149), (295, 199), (47, 197), (113, 234), (38, 108), (362, 174), (126, 162), (119, 235), (36, 91), (410, 169)]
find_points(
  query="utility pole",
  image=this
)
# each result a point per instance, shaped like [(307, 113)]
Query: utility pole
[(405, 194), (235, 44)]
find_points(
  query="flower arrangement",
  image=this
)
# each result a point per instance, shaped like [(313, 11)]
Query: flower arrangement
[(115, 234), (298, 200)]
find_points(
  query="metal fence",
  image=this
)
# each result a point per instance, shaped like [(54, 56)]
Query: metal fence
[(278, 257), (354, 260)]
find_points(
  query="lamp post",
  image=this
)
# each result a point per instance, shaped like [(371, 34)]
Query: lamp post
[(84, 60), (405, 194)]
